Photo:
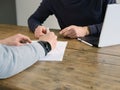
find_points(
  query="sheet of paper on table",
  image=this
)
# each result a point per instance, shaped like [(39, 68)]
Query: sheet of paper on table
[(56, 54)]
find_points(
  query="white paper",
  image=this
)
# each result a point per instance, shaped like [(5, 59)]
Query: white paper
[(56, 54)]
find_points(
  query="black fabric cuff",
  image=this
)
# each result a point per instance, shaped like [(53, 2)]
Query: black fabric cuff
[(46, 46)]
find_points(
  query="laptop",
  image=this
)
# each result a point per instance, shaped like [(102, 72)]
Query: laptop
[(110, 33)]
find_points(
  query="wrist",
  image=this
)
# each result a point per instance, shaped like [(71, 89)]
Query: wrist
[(86, 28), (46, 45)]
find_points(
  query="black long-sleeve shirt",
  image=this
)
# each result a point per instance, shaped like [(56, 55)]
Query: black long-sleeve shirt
[(72, 12)]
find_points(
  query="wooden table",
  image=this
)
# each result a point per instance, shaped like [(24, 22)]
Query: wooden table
[(83, 67)]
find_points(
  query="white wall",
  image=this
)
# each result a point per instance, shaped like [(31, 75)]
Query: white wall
[(118, 1), (25, 8)]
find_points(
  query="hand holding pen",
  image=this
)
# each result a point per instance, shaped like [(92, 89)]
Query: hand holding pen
[(40, 30)]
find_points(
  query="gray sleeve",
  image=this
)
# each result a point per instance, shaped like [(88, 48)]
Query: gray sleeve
[(14, 59)]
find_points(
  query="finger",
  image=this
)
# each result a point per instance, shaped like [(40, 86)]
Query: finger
[(18, 43), (71, 35), (74, 36), (36, 35), (64, 30), (39, 32), (39, 35), (27, 39), (47, 30), (68, 33), (24, 39)]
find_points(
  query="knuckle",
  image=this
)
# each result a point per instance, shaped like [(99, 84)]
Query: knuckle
[(18, 34)]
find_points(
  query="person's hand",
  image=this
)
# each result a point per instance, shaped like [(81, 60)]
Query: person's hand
[(74, 31), (51, 38), (39, 31), (16, 40)]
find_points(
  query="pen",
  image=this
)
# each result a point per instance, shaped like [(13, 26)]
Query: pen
[(47, 30), (85, 42)]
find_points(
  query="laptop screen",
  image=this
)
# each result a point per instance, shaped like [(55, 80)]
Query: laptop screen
[(110, 33)]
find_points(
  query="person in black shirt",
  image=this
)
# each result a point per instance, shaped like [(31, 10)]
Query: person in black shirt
[(77, 18)]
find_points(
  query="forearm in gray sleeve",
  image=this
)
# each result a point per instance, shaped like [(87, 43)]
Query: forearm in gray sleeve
[(14, 59)]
